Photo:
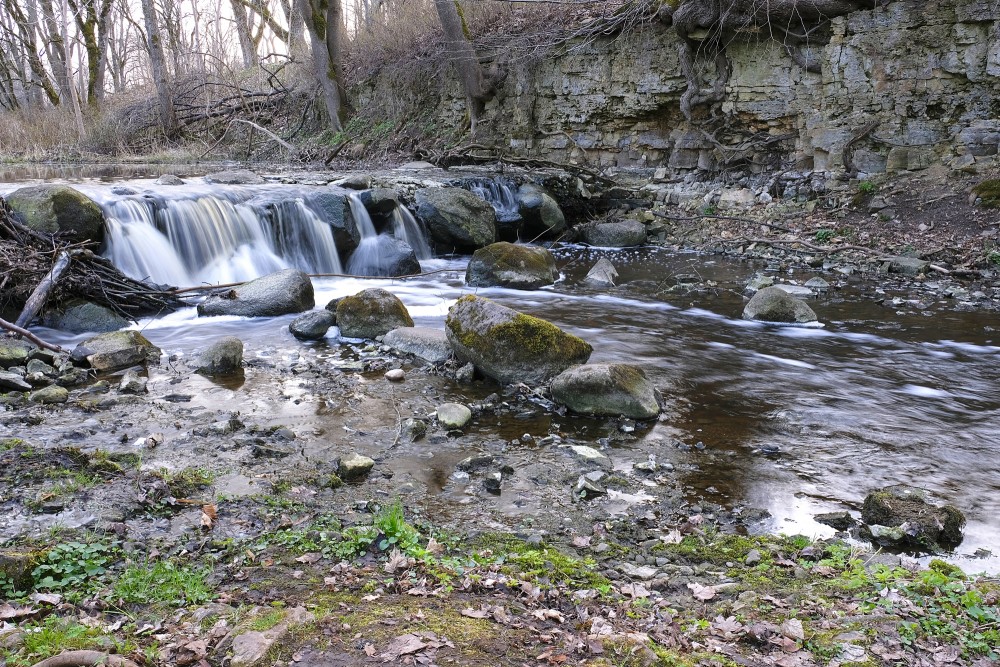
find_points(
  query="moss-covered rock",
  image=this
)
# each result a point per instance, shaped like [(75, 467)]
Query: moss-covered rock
[(116, 350), (510, 265), (456, 218), (59, 208), (773, 304), (14, 352), (79, 316), (371, 313), (607, 390), (509, 346), (922, 524), (280, 293), (988, 193), (16, 566)]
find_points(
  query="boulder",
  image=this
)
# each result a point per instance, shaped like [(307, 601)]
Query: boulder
[(510, 265), (13, 382), (287, 291), (907, 266), (116, 350), (50, 395), (335, 210), (453, 415), (539, 211), (606, 390), (79, 316), (14, 352), (510, 346), (456, 218), (223, 357), (622, 234), (355, 182), (234, 177), (58, 208), (602, 274), (773, 304), (912, 519), (354, 466), (371, 313), (429, 344), (380, 201), (312, 325), (169, 179), (384, 255)]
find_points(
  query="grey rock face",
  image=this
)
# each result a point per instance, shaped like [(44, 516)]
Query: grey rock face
[(335, 210), (773, 304), (13, 382), (603, 274), (509, 346), (383, 256), (606, 390), (456, 218), (288, 291), (371, 313), (510, 265), (223, 357), (312, 325), (623, 234), (58, 208), (429, 344)]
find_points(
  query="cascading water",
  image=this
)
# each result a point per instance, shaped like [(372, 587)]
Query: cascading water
[(406, 228), (386, 254), (500, 193)]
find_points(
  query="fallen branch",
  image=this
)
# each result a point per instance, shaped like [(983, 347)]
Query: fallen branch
[(85, 659), (203, 288), (41, 293), (824, 249), (13, 328)]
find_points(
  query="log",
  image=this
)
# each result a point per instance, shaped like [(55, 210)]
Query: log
[(37, 298), (13, 328)]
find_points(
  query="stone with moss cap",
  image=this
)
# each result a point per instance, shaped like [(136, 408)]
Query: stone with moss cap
[(370, 313), (607, 390), (509, 346), (58, 209), (922, 524), (510, 265)]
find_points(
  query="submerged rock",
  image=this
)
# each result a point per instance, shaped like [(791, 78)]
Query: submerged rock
[(335, 210), (603, 274), (371, 313), (429, 344), (384, 256), (773, 304), (456, 218), (312, 325), (287, 291), (606, 390), (539, 211), (79, 316), (511, 265), (621, 234), (116, 350), (510, 346), (904, 517), (58, 208), (223, 357), (169, 179)]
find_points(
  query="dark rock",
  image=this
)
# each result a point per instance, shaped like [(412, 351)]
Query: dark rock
[(234, 177), (13, 382), (429, 344), (380, 201), (384, 255), (836, 520), (312, 325), (116, 350), (539, 211), (456, 218), (773, 304), (287, 291), (58, 208), (414, 429), (132, 383), (621, 234), (80, 316), (371, 313), (917, 521), (223, 357), (510, 265), (335, 210), (606, 390), (509, 346)]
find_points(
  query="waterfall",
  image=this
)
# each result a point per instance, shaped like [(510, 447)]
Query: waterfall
[(499, 192), (406, 228), (385, 254)]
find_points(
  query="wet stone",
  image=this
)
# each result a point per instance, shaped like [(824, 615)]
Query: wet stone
[(50, 395), (836, 520), (13, 382), (453, 415), (354, 466), (492, 482), (586, 489), (395, 375), (313, 325), (414, 429), (132, 383)]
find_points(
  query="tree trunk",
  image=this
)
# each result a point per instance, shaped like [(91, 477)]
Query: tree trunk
[(324, 20), (243, 32), (158, 65), (463, 57), (297, 46)]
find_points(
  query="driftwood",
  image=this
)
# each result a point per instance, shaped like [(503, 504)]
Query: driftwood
[(86, 659), (13, 328), (37, 298)]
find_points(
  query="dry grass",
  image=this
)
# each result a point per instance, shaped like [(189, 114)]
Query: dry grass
[(37, 134)]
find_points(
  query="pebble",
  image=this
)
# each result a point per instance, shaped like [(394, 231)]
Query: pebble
[(395, 375)]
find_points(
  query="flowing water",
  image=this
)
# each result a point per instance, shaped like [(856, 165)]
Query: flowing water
[(794, 420)]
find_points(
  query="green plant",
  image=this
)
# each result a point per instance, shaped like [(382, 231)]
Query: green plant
[(993, 257), (162, 582), (268, 620), (823, 235), (184, 482), (394, 531), (55, 635), (75, 568), (867, 188)]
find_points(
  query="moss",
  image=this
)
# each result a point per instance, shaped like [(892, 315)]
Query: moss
[(988, 192), (629, 378)]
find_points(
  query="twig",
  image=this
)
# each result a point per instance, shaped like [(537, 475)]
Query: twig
[(13, 328)]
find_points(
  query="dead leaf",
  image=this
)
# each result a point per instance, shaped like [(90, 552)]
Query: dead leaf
[(635, 591), (727, 628), (309, 558), (8, 611), (548, 615), (476, 613), (369, 650), (946, 655), (581, 541), (208, 516), (403, 645), (371, 598), (46, 598), (703, 593), (435, 547), (397, 561)]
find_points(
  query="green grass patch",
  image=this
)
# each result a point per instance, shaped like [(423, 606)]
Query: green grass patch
[(162, 582)]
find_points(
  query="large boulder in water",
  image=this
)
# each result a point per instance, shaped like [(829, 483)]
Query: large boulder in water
[(606, 390), (621, 234), (456, 218), (904, 516), (510, 346), (773, 304), (335, 210), (58, 208), (539, 211), (370, 313), (509, 265), (287, 291), (223, 357), (235, 177), (383, 255), (79, 316), (116, 350)]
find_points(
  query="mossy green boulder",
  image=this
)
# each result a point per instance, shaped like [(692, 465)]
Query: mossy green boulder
[(607, 390), (116, 350), (58, 209), (921, 524), (510, 346), (511, 265), (371, 313)]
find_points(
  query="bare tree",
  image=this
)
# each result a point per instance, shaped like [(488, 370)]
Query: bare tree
[(158, 66), (463, 57), (324, 20)]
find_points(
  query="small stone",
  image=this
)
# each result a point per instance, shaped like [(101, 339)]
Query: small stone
[(50, 395), (453, 415), (492, 482), (476, 462), (590, 455), (414, 429), (586, 489), (465, 374), (13, 382), (132, 384), (395, 375), (752, 557), (817, 284), (836, 520), (223, 357), (354, 466)]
